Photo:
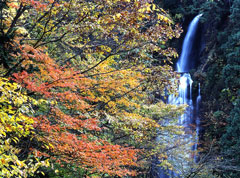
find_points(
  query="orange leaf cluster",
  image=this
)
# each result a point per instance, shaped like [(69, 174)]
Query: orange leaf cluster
[(68, 130)]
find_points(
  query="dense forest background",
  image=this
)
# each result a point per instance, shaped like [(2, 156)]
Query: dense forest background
[(84, 85)]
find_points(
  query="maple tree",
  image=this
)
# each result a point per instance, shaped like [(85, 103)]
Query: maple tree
[(92, 64)]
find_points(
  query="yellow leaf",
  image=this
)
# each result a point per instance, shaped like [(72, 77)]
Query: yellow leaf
[(118, 15), (153, 7)]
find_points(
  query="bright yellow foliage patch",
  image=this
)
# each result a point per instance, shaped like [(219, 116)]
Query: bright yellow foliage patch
[(14, 126)]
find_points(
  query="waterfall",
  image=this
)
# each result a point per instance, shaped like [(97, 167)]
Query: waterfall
[(185, 96), (182, 64), (185, 86)]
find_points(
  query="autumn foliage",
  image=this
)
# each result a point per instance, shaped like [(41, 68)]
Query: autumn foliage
[(89, 66)]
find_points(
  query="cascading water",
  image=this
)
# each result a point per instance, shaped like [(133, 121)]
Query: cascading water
[(197, 121), (185, 94), (185, 87), (183, 62)]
